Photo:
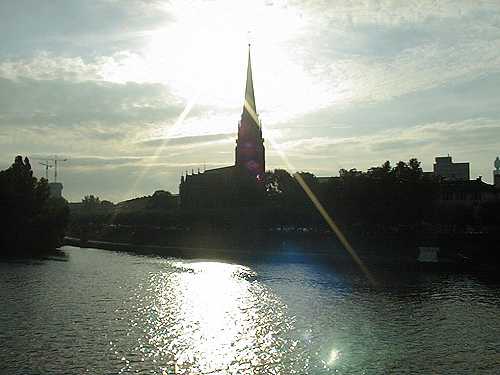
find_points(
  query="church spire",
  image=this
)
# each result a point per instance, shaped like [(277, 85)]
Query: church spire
[(250, 152), (249, 94)]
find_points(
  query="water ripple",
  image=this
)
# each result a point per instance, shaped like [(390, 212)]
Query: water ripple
[(109, 313)]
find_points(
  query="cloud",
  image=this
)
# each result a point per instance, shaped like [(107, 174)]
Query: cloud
[(473, 140), (46, 66), (388, 12), (416, 69), (378, 50), (77, 27), (468, 133), (79, 163), (192, 141), (27, 102), (454, 102)]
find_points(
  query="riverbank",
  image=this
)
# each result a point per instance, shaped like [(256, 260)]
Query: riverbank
[(289, 252), (189, 252)]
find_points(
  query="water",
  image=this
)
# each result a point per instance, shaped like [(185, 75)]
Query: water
[(101, 312)]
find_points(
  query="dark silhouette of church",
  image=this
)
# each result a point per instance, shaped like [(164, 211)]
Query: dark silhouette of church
[(241, 184)]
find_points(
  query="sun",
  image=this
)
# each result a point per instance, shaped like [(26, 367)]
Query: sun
[(202, 61), (201, 53)]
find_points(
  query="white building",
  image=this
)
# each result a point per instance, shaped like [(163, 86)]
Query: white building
[(55, 189), (449, 171)]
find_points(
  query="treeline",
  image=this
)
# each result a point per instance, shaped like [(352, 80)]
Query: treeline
[(383, 198), (31, 221), (396, 198), (161, 208)]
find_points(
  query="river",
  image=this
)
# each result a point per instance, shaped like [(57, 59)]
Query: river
[(92, 311)]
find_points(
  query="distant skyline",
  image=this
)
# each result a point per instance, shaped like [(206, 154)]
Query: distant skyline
[(344, 84)]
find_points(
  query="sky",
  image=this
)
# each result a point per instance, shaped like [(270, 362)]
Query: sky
[(135, 92)]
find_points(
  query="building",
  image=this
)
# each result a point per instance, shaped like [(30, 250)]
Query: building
[(238, 184), (496, 173), (457, 189), (449, 171), (467, 193), (55, 189), (250, 151)]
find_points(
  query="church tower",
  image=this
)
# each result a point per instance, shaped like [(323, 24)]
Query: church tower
[(250, 152)]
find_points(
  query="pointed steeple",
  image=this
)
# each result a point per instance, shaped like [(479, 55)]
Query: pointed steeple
[(250, 152), (249, 94)]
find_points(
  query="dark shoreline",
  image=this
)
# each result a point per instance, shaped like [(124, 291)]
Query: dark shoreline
[(189, 252), (338, 257)]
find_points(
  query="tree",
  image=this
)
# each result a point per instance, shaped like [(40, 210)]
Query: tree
[(91, 203), (31, 222), (282, 187), (162, 199), (381, 173)]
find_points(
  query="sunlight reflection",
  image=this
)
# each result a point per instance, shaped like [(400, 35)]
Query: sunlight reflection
[(334, 356), (211, 317)]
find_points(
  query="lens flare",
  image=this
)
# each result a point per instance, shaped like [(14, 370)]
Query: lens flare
[(178, 123), (328, 219)]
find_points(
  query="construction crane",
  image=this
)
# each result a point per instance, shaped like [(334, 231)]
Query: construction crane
[(47, 166), (54, 162)]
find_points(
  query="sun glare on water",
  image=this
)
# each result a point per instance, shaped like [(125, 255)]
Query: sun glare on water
[(209, 317)]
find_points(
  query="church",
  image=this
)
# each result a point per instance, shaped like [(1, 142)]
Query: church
[(241, 184)]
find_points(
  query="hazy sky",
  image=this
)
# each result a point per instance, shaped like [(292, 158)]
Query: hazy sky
[(136, 92)]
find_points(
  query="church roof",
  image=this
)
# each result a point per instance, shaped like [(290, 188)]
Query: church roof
[(249, 94), (249, 105), (220, 170)]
